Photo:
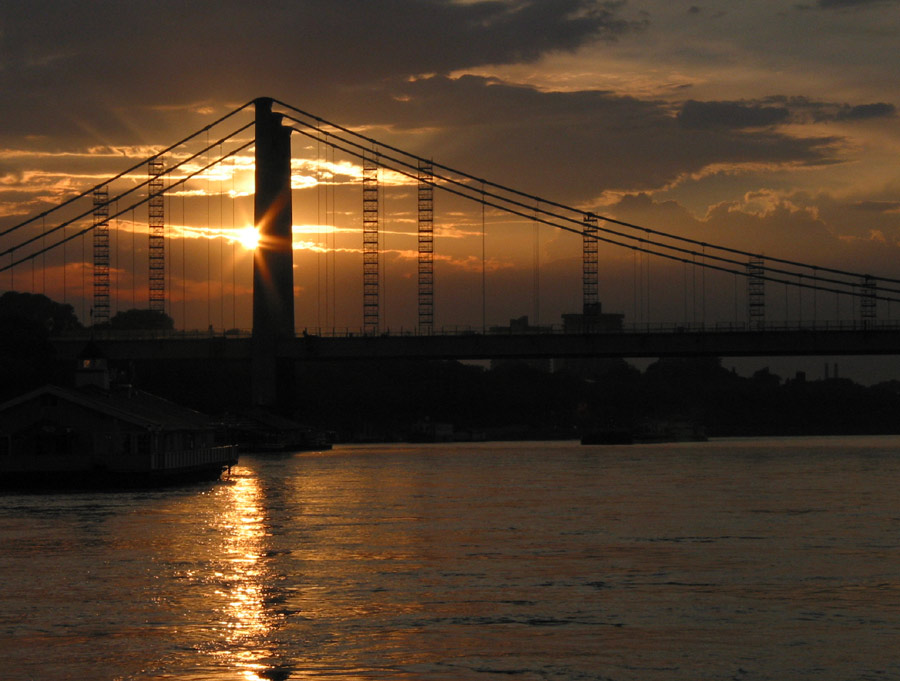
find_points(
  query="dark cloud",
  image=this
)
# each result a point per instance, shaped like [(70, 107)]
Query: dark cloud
[(877, 206), (774, 110), (804, 109), (841, 4), (126, 73), (536, 140), (865, 111), (705, 115), (80, 68), (845, 4)]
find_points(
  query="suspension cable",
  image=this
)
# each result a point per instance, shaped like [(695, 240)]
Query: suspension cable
[(131, 191), (137, 203), (129, 170), (530, 197), (522, 209), (639, 246)]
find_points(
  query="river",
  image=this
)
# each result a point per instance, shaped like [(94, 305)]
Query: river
[(730, 559)]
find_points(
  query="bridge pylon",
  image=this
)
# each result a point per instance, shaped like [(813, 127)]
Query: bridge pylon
[(273, 262)]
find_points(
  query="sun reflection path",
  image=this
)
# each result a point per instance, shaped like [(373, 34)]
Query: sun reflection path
[(246, 622)]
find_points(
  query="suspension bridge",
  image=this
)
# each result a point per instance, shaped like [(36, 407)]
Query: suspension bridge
[(207, 231)]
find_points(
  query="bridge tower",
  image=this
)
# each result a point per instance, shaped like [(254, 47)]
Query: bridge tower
[(756, 292), (273, 262), (371, 285), (156, 223), (100, 314), (426, 247), (590, 281), (868, 300)]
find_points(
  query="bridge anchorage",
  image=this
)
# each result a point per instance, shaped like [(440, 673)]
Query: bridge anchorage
[(274, 346)]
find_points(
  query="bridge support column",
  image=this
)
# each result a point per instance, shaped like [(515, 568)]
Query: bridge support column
[(273, 263)]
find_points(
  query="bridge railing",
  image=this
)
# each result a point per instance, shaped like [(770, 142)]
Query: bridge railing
[(656, 328), (461, 330)]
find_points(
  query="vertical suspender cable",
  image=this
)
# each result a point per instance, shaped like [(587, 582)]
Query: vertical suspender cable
[(382, 240), (536, 270), (133, 262), (634, 285), (167, 252), (319, 229), (703, 286), (208, 244), (647, 285), (330, 229), (483, 271), (84, 297), (183, 263), (233, 247), (735, 279), (221, 246), (333, 223), (43, 257), (693, 288), (815, 301), (786, 306), (115, 236)]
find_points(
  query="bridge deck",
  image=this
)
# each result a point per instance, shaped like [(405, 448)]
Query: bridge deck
[(716, 343)]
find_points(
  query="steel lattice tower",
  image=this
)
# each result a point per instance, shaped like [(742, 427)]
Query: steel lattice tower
[(590, 268), (756, 291), (867, 301), (426, 247), (100, 314), (370, 246), (156, 222)]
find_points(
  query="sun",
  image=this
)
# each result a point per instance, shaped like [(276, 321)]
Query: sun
[(248, 237)]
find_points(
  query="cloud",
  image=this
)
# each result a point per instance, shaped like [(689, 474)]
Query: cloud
[(533, 139), (866, 111), (125, 61), (845, 4), (700, 115), (774, 110)]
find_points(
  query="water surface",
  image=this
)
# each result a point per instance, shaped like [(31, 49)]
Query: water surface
[(753, 559)]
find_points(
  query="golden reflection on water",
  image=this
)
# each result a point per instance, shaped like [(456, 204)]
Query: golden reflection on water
[(243, 579)]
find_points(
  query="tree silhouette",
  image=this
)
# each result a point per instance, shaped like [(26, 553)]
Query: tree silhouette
[(37, 308), (142, 319)]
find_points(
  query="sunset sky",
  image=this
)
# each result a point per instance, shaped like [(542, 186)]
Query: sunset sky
[(766, 126)]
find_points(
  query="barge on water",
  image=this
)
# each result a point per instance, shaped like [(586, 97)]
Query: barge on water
[(91, 437)]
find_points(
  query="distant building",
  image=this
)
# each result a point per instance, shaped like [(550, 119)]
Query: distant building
[(519, 326), (592, 320)]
